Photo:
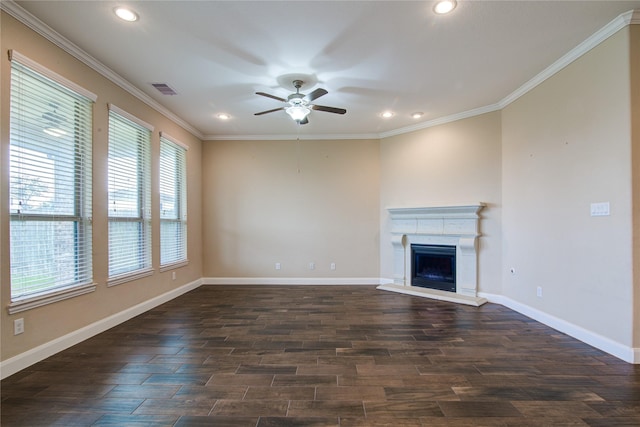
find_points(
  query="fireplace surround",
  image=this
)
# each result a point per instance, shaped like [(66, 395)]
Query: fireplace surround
[(453, 226)]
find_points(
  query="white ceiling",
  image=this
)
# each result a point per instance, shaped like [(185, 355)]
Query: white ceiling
[(371, 56)]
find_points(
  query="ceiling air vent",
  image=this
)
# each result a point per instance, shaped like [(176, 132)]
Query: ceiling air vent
[(164, 88)]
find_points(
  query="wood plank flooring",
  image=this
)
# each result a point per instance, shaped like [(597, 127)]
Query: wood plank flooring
[(324, 356)]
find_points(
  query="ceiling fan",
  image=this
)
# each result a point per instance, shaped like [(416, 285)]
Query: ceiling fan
[(300, 105)]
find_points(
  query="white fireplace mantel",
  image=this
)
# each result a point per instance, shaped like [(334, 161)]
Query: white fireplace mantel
[(455, 225)]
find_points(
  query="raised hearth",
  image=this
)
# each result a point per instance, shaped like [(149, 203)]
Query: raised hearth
[(449, 226)]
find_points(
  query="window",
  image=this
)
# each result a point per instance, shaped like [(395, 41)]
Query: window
[(49, 186), (173, 201), (129, 186)]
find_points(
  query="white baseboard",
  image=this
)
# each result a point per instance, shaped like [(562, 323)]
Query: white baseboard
[(628, 354), (291, 281), (23, 360)]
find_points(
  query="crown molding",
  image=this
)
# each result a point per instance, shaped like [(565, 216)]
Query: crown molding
[(628, 18), (441, 120), (621, 21), (68, 46), (631, 17), (634, 17), (287, 137)]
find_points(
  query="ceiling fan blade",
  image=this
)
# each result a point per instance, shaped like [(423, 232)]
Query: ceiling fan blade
[(328, 109), (304, 121), (315, 94), (271, 96), (268, 111)]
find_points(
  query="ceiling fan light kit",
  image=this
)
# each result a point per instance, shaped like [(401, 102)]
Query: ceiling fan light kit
[(300, 105), (298, 112)]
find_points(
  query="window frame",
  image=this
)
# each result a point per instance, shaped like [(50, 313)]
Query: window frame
[(30, 83), (141, 150), (179, 183)]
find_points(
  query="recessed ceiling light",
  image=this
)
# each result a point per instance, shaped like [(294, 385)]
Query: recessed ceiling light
[(387, 114), (444, 6), (417, 114), (223, 116), (126, 14)]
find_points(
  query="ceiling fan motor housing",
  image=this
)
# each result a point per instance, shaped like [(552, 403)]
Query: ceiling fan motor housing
[(296, 99)]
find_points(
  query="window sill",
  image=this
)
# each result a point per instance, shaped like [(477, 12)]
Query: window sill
[(49, 298), (128, 277), (173, 265)]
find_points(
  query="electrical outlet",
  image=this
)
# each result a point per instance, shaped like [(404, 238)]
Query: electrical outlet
[(333, 265), (18, 326), (312, 266), (173, 275), (278, 266), (539, 291), (600, 209)]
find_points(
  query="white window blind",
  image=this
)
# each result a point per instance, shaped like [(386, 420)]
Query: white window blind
[(129, 187), (49, 186), (173, 201)]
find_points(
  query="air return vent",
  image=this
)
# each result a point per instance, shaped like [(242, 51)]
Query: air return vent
[(164, 88)]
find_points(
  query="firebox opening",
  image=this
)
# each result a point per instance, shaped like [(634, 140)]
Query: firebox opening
[(434, 267)]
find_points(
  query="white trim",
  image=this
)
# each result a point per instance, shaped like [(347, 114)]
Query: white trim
[(621, 351), (128, 277), (315, 281), (130, 116), (21, 361), (624, 19), (173, 140), (288, 137), (25, 304), (594, 40), (457, 211), (173, 265), (442, 120), (30, 63), (621, 21), (72, 49)]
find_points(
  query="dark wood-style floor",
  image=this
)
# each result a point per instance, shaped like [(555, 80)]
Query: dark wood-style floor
[(324, 356)]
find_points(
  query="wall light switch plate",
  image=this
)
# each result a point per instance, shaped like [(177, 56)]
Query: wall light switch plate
[(600, 209)]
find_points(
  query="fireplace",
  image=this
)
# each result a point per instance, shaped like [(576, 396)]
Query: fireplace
[(449, 270), (433, 267)]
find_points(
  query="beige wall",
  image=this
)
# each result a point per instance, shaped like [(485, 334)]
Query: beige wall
[(55, 320), (566, 144), (292, 202), (451, 164), (538, 165), (634, 56)]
